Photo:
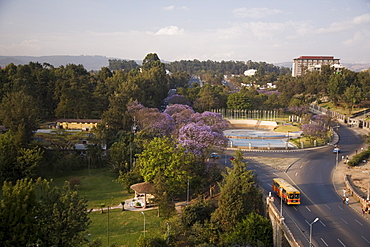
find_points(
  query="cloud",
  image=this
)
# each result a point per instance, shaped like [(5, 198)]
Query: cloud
[(255, 12), (357, 39), (169, 8), (173, 7), (170, 30), (266, 30), (345, 25), (24, 46)]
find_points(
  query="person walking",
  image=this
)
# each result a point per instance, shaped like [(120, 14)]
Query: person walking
[(347, 201)]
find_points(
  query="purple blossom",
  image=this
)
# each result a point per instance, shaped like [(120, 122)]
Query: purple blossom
[(198, 138), (134, 107), (321, 119), (212, 119), (178, 99), (298, 110), (155, 122), (177, 108), (314, 130)]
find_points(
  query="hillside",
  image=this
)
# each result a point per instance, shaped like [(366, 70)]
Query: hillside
[(89, 62)]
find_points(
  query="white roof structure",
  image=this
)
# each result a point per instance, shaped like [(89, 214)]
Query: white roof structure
[(250, 72)]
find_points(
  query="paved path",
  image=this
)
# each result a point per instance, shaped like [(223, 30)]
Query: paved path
[(339, 184)]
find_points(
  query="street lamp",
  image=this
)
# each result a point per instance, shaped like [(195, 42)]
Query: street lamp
[(281, 201), (336, 160), (315, 220), (144, 222), (368, 181)]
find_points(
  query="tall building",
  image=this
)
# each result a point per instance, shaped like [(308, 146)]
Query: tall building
[(313, 63)]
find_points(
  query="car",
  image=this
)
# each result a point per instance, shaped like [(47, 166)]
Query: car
[(214, 156), (336, 150)]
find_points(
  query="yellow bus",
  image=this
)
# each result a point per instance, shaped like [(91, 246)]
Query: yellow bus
[(289, 194)]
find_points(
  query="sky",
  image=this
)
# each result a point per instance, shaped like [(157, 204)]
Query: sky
[(273, 31)]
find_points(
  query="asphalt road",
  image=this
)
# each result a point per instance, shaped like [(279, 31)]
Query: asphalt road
[(338, 224)]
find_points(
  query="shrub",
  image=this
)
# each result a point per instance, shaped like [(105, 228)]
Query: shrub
[(358, 158), (74, 182)]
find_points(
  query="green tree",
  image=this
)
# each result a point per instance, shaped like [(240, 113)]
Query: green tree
[(238, 101), (238, 197), (73, 92), (33, 212), (17, 162), (162, 155), (253, 230), (352, 94), (336, 87), (20, 114)]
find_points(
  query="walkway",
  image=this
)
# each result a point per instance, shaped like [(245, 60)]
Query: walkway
[(339, 184)]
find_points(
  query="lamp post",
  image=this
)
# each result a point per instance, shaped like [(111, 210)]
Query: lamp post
[(315, 220), (187, 193), (144, 222), (368, 182), (281, 201)]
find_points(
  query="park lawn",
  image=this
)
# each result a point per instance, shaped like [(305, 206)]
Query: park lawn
[(97, 185), (286, 128), (125, 227), (332, 107), (307, 142)]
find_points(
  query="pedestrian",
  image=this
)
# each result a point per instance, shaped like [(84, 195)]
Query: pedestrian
[(356, 151), (347, 201), (343, 200), (344, 193)]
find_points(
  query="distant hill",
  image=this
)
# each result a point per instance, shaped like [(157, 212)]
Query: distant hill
[(89, 62)]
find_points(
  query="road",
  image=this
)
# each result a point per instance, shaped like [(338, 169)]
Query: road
[(338, 224)]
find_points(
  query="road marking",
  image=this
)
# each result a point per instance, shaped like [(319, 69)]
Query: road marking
[(341, 242), (324, 242), (295, 208), (359, 222), (296, 174), (327, 206), (275, 174), (308, 208), (340, 208), (365, 239), (269, 184), (322, 223), (344, 221), (301, 166)]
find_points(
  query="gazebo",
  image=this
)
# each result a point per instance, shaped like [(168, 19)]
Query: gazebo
[(144, 189)]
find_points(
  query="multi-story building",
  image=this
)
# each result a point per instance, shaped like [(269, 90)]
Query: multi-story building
[(313, 63)]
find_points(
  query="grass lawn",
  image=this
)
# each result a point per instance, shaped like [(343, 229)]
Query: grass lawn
[(286, 128), (125, 227), (97, 185), (332, 107)]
